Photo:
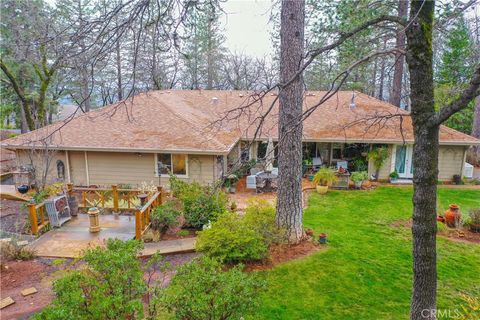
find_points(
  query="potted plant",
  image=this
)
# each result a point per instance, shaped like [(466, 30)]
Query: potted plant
[(393, 176), (378, 156), (474, 220), (324, 178), (358, 177), (230, 183)]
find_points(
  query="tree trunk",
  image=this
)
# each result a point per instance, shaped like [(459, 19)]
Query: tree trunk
[(396, 95), (382, 72), (289, 208), (425, 160), (476, 130)]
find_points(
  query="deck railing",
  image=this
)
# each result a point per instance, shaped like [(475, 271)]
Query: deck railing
[(37, 214), (142, 215), (112, 198)]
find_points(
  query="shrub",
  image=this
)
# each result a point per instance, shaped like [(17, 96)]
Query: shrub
[(165, 216), (233, 238), (201, 208), (202, 290), (474, 215), (111, 287), (183, 233), (10, 251), (260, 216), (358, 176)]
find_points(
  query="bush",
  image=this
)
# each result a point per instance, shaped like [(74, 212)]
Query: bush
[(201, 208), (325, 176), (202, 290), (10, 251), (165, 216), (111, 287), (199, 204), (233, 238), (474, 215), (358, 176)]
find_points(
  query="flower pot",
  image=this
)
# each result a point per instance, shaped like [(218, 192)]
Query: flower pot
[(322, 189), (475, 227), (358, 184), (322, 239), (23, 188), (441, 219), (393, 180), (453, 215)]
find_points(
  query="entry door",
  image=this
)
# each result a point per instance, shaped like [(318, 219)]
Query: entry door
[(403, 161)]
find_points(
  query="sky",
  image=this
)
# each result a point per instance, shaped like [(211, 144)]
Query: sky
[(246, 26)]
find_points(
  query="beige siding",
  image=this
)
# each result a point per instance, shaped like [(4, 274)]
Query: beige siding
[(106, 168), (385, 169), (450, 161), (42, 163), (78, 174)]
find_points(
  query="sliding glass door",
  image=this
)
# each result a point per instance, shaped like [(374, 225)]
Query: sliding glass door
[(403, 161)]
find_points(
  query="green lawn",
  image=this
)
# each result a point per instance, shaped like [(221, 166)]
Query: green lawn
[(366, 271)]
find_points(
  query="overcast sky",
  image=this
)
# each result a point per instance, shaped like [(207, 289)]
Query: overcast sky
[(246, 26)]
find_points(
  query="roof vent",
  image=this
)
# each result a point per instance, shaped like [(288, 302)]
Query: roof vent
[(241, 95), (214, 101)]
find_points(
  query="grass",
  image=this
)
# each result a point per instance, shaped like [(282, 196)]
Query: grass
[(365, 272)]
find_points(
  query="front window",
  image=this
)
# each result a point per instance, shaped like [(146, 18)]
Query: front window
[(172, 164)]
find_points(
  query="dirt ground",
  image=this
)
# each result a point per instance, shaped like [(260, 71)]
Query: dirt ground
[(12, 216), (19, 275), (40, 273), (461, 235), (284, 252)]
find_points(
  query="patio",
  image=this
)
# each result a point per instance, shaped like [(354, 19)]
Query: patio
[(74, 236)]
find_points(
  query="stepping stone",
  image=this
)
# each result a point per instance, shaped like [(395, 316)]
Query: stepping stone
[(29, 291), (22, 243), (6, 302)]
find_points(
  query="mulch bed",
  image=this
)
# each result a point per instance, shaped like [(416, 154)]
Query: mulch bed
[(13, 216), (192, 233), (284, 252), (461, 235)]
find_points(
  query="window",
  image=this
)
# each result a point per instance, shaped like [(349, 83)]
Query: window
[(337, 151), (60, 169), (171, 163), (262, 149), (244, 151)]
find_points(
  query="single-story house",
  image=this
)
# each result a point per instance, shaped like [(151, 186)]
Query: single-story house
[(198, 135)]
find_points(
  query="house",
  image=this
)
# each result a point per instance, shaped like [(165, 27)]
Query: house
[(199, 135)]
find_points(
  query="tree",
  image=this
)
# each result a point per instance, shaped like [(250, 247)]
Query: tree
[(426, 122), (289, 206), (396, 95)]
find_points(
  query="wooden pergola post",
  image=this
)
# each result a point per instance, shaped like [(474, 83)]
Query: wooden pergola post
[(33, 217)]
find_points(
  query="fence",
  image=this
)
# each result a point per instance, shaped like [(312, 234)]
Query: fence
[(112, 198), (142, 216), (37, 213)]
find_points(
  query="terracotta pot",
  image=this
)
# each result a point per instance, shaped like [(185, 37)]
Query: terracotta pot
[(322, 189), (453, 215)]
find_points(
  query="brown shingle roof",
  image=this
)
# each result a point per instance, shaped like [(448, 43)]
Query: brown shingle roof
[(187, 121)]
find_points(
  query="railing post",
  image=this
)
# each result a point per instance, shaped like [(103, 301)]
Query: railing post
[(84, 198), (138, 224), (42, 214), (115, 197), (70, 189), (33, 217)]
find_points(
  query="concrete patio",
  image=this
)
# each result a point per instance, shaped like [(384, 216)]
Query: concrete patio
[(74, 237)]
